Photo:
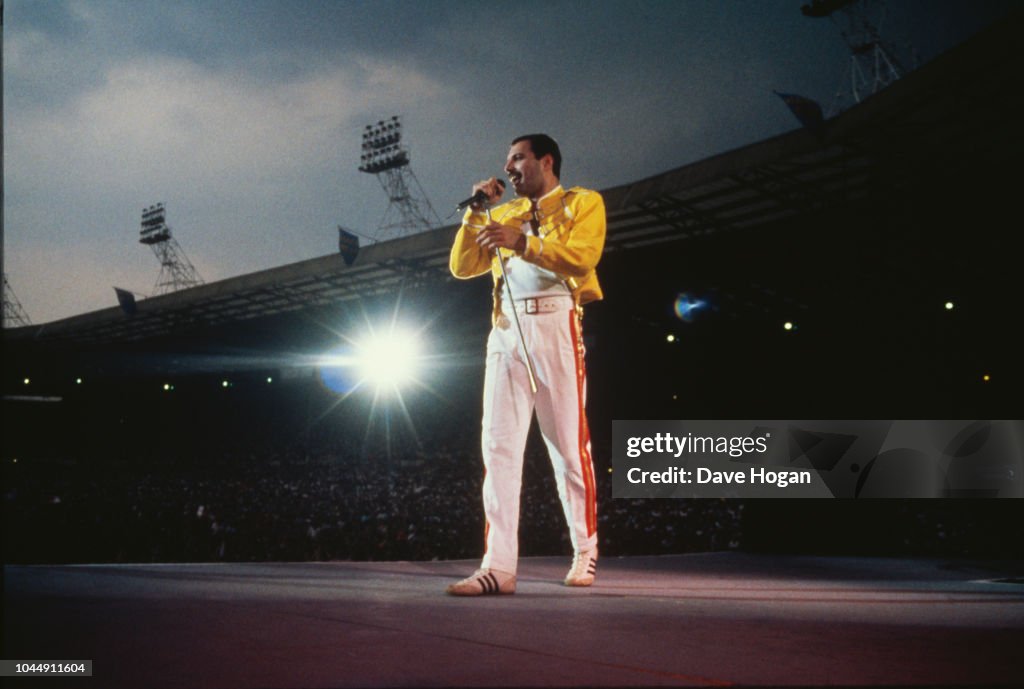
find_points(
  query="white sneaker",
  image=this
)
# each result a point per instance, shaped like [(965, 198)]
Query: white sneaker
[(584, 569), (484, 582)]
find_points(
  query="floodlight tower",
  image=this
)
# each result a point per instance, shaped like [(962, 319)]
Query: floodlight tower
[(176, 271), (409, 211), (14, 314), (873, 64)]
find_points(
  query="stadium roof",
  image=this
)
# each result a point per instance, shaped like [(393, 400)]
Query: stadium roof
[(951, 113)]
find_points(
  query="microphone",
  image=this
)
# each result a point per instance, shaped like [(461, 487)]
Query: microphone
[(479, 197)]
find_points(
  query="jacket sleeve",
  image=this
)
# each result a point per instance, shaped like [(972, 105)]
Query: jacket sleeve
[(468, 259), (573, 249)]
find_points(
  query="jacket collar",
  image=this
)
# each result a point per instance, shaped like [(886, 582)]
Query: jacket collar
[(551, 202)]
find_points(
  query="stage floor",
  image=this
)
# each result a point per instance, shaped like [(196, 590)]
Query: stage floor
[(716, 619)]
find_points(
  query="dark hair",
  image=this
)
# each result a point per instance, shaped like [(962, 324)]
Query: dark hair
[(542, 145)]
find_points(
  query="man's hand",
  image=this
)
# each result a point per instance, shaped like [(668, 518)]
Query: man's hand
[(493, 188), (504, 236)]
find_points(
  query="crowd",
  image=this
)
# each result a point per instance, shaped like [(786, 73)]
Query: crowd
[(290, 504), (248, 493)]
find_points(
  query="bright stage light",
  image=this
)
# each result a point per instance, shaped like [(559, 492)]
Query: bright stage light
[(385, 361), (389, 360)]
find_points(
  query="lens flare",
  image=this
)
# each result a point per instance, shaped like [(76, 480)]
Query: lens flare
[(337, 371), (686, 307)]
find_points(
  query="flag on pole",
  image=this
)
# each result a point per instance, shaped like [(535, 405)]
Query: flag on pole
[(806, 110), (126, 299), (348, 245)]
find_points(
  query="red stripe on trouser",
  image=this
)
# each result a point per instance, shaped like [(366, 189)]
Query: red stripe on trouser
[(586, 463), (487, 524)]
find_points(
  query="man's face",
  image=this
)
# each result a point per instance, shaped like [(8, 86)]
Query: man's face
[(524, 171)]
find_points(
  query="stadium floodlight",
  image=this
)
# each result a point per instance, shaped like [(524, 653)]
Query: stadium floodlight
[(385, 156), (154, 225), (382, 152), (873, 62), (176, 271)]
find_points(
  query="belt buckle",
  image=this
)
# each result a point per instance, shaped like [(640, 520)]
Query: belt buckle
[(532, 306)]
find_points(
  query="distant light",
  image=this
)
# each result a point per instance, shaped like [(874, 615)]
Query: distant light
[(78, 381), (14, 461), (671, 338), (949, 306), (168, 387), (609, 470), (269, 379), (27, 381), (986, 377), (788, 325), (225, 384)]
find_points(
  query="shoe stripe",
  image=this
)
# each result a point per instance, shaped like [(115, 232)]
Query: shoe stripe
[(488, 583)]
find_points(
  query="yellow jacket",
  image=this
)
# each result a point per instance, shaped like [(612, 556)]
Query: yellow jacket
[(572, 230)]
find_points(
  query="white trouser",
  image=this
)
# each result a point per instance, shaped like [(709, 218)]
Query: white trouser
[(556, 350)]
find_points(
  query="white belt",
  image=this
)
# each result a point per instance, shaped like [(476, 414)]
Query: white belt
[(543, 305)]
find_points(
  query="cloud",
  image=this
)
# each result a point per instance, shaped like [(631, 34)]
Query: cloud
[(161, 119), (247, 151)]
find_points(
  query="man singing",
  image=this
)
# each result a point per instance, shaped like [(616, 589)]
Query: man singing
[(547, 243)]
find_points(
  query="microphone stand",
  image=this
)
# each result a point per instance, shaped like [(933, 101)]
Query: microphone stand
[(515, 315)]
